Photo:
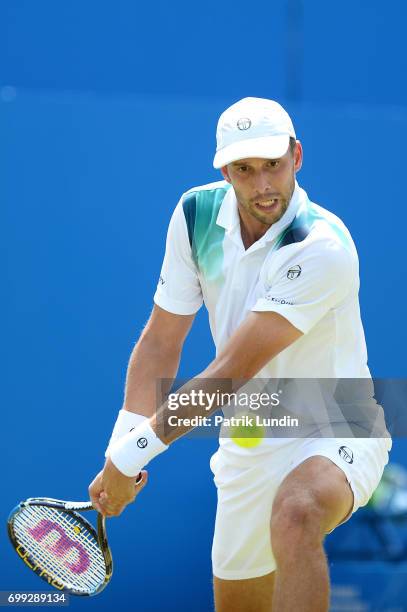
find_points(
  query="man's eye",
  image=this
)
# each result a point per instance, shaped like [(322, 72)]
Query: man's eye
[(242, 168), (273, 163)]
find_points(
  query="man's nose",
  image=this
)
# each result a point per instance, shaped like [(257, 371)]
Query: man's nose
[(263, 184)]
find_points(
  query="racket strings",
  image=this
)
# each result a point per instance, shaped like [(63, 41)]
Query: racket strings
[(62, 546)]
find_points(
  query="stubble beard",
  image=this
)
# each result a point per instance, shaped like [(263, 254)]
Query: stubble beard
[(270, 219)]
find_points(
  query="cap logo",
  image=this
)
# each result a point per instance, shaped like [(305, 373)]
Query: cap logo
[(244, 123)]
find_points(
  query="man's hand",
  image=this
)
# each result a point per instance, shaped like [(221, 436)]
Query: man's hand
[(111, 491)]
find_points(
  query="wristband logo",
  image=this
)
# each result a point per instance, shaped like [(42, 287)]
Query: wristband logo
[(142, 442)]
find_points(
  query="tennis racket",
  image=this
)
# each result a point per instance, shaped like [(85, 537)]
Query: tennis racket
[(60, 545)]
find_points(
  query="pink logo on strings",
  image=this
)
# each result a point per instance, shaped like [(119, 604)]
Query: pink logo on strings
[(62, 545)]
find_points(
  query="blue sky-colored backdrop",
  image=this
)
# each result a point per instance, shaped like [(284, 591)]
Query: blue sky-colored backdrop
[(107, 114)]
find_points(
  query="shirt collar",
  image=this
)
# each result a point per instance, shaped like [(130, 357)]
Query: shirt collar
[(228, 216)]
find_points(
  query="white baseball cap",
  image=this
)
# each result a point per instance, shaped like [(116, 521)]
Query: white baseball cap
[(252, 127)]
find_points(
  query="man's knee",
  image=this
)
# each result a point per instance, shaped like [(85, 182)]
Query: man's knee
[(297, 518), (310, 502)]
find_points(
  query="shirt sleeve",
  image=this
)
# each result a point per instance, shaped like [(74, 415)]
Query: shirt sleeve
[(305, 285), (178, 290)]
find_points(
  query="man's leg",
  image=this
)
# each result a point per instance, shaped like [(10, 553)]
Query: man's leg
[(251, 595), (313, 499)]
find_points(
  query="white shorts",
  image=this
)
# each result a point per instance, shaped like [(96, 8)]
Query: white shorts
[(246, 490)]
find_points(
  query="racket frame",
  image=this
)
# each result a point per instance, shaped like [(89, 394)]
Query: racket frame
[(73, 509)]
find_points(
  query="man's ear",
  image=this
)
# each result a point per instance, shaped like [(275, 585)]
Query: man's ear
[(225, 174), (298, 156)]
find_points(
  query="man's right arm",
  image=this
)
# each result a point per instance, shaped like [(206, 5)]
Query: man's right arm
[(157, 353), (156, 356), (177, 299)]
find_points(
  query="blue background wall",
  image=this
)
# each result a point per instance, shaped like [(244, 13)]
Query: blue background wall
[(107, 114)]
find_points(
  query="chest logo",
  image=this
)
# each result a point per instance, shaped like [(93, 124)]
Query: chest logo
[(294, 272)]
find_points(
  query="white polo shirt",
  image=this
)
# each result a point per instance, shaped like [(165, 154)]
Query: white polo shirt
[(305, 267)]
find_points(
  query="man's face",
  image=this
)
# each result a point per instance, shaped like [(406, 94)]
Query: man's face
[(264, 187)]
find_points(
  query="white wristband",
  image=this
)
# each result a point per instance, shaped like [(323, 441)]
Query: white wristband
[(126, 421), (134, 450)]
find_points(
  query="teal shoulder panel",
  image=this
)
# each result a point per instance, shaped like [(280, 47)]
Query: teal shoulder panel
[(201, 209), (302, 224), (189, 206)]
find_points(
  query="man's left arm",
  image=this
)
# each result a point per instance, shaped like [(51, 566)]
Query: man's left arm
[(260, 337)]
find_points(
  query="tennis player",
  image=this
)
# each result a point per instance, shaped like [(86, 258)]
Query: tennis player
[(279, 277)]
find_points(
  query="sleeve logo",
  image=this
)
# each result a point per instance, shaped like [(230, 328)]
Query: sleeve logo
[(294, 272), (278, 300)]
